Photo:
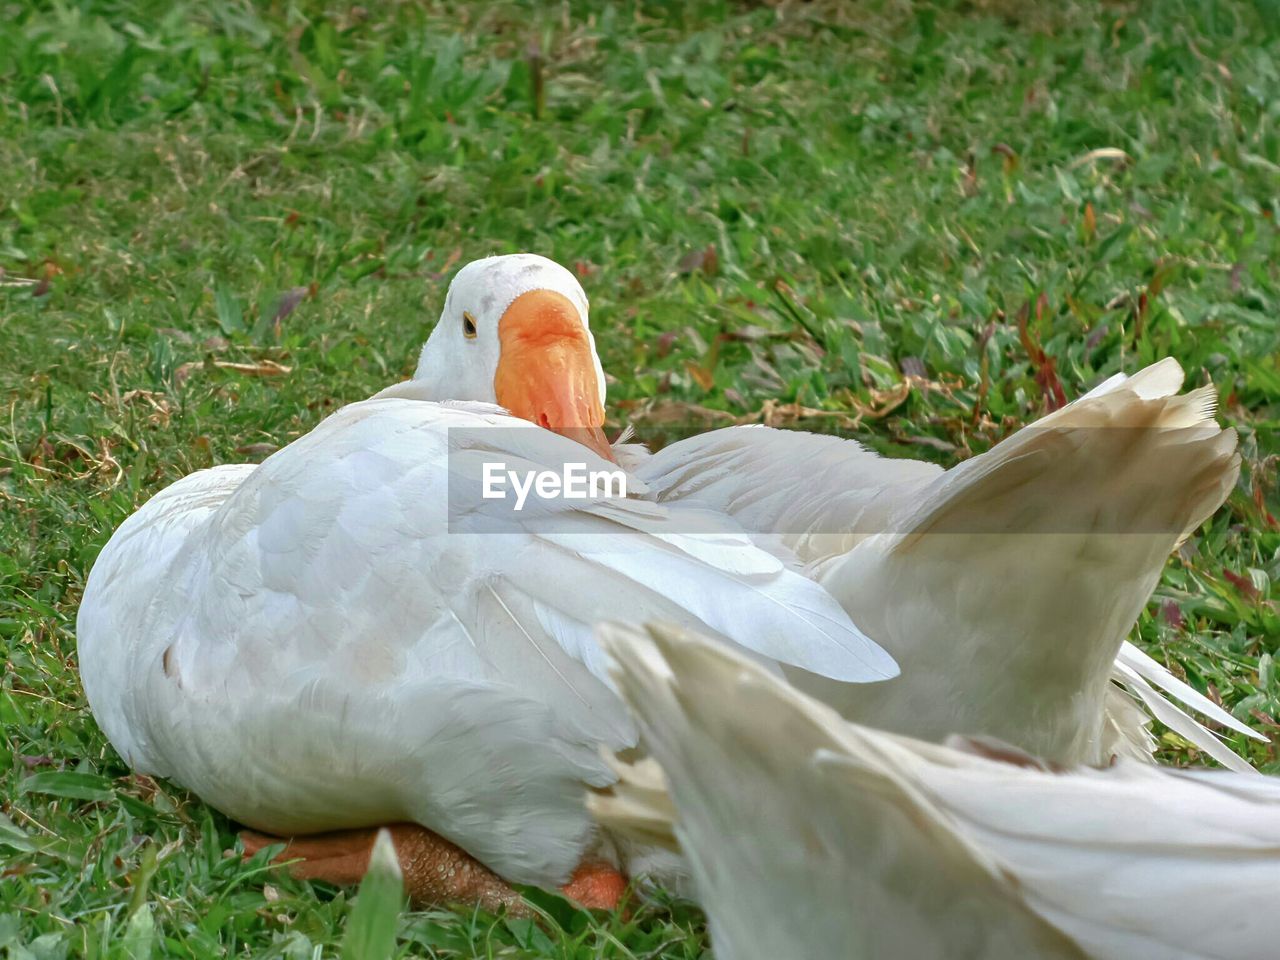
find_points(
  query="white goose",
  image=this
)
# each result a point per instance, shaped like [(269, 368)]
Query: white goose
[(808, 836), (1005, 586), (340, 638)]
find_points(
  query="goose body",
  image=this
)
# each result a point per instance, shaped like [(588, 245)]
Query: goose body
[(347, 636), (1004, 587), (810, 836)]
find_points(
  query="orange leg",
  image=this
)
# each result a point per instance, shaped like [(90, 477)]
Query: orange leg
[(435, 870)]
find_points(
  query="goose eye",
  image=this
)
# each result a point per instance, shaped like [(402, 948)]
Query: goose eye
[(468, 325)]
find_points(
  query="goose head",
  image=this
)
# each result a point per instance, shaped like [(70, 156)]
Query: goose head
[(514, 332)]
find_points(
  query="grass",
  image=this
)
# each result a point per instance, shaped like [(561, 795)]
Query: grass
[(237, 217)]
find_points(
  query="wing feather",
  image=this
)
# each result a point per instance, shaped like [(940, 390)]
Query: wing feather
[(1160, 677), (335, 600)]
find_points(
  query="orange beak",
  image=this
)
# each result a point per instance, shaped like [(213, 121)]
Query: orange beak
[(546, 369)]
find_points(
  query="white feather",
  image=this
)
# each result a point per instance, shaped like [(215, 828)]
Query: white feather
[(809, 836), (1005, 586), (1151, 671)]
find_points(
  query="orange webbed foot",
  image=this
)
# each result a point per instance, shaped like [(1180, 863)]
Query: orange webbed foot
[(596, 885), (436, 872)]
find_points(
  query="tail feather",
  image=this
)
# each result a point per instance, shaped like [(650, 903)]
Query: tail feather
[(638, 805), (1179, 721), (808, 836), (1064, 529), (1158, 676), (1126, 727), (1137, 457), (1161, 379)]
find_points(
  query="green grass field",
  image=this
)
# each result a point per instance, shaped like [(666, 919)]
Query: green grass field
[(912, 223)]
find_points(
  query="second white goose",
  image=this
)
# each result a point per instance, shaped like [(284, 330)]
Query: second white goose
[(808, 836)]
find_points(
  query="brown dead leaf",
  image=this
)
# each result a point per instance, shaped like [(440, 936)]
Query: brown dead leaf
[(1102, 153), (969, 184), (1259, 475), (924, 440), (678, 411), (704, 373), (703, 377), (884, 402), (288, 302), (913, 367), (1046, 371), (158, 403), (705, 261), (1171, 614), (1264, 719), (1243, 584), (984, 372), (262, 368), (257, 449), (178, 336), (183, 373), (107, 463), (144, 786), (772, 413), (775, 414), (1008, 157), (454, 256)]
